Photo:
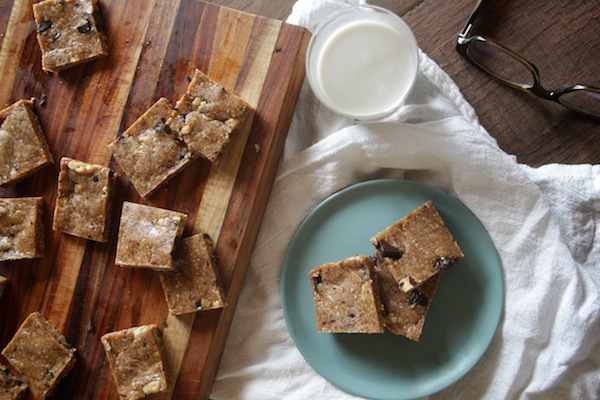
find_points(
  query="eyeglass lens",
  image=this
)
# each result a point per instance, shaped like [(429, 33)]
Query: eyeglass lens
[(512, 70), (500, 64)]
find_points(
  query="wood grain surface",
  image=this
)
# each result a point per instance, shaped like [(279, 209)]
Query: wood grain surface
[(155, 46)]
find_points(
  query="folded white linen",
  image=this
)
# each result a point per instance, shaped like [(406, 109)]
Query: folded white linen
[(542, 220)]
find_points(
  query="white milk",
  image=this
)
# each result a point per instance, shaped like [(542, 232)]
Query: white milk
[(364, 66)]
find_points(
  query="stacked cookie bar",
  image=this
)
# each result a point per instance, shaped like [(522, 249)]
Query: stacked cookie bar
[(401, 276), (165, 139)]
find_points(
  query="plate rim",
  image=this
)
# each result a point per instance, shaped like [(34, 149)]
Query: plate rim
[(334, 197)]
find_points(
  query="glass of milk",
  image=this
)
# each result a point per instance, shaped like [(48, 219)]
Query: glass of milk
[(362, 62)]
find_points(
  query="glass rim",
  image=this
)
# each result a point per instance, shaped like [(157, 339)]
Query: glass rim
[(342, 16)]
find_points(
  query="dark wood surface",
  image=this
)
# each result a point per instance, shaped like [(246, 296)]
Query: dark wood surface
[(562, 37), (154, 48)]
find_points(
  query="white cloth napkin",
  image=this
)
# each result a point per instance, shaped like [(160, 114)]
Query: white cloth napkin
[(543, 221)]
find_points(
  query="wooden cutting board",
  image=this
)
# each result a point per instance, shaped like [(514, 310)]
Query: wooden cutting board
[(155, 46)]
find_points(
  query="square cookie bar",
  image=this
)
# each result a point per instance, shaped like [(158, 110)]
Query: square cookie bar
[(417, 247), (207, 115), (40, 353), (21, 228), (23, 146), (69, 32), (345, 296), (84, 200), (147, 236), (403, 313), (137, 360), (194, 285), (149, 152), (11, 388)]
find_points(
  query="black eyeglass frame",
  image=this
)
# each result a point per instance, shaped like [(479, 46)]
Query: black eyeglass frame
[(462, 47)]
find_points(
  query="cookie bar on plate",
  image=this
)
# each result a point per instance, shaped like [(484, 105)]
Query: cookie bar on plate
[(345, 296), (403, 313), (417, 247)]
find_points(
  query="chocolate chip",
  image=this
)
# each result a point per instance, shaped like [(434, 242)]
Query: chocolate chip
[(44, 26), (387, 249), (316, 280), (418, 298), (443, 263), (85, 28), (95, 178), (377, 259)]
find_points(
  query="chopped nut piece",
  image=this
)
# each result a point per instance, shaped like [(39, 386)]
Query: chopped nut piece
[(417, 247), (194, 284), (147, 236), (84, 201), (137, 361), (149, 152), (345, 296), (69, 32), (23, 147), (40, 353), (21, 228), (11, 388), (207, 115)]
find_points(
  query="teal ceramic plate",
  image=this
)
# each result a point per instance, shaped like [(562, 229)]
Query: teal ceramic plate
[(462, 319)]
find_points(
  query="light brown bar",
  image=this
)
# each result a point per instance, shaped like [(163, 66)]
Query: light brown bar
[(23, 146), (404, 313), (84, 201), (417, 247), (40, 353), (11, 388), (194, 285), (137, 360), (148, 236), (345, 296), (21, 228), (207, 115), (69, 32), (149, 152)]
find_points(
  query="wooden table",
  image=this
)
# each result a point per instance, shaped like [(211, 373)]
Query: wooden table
[(74, 284), (561, 37)]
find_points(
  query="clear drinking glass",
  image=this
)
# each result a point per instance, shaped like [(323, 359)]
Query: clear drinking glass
[(362, 62)]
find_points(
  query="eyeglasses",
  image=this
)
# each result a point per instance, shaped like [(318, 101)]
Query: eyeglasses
[(513, 70)]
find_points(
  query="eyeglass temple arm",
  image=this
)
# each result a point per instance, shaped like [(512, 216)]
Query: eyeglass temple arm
[(471, 20)]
